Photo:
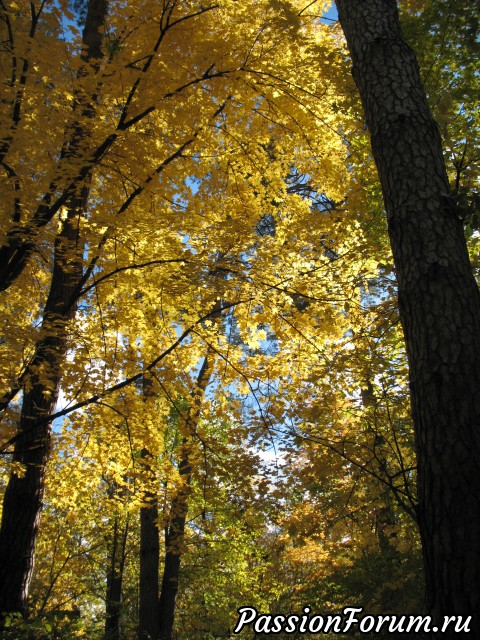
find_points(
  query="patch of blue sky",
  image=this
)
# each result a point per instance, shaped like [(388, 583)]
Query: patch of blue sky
[(331, 15)]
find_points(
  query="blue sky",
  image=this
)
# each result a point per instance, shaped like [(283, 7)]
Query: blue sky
[(331, 14)]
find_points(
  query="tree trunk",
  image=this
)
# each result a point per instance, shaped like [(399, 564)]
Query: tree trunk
[(113, 605), (174, 545), (438, 299), (148, 628), (175, 529), (23, 496)]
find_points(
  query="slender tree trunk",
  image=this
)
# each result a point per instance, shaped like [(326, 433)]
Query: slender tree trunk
[(24, 493), (175, 529), (438, 299), (148, 628), (115, 581), (174, 545)]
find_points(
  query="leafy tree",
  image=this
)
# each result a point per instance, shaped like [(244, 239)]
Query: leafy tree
[(210, 189), (41, 378), (113, 103)]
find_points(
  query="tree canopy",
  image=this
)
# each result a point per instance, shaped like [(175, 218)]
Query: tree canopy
[(202, 362)]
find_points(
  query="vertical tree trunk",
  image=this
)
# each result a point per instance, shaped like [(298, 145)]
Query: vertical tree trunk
[(174, 543), (115, 581), (23, 496), (175, 529), (148, 628), (438, 299)]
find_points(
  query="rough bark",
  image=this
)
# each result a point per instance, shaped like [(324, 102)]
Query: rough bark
[(23, 496), (438, 299)]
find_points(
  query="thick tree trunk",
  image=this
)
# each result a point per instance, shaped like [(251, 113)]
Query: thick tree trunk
[(24, 494), (438, 299)]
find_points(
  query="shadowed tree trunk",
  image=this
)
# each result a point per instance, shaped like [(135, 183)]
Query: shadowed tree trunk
[(149, 561), (157, 614), (174, 542), (24, 493), (438, 299), (115, 580), (175, 528)]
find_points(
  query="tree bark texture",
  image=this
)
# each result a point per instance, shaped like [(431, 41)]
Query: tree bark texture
[(23, 496), (439, 303)]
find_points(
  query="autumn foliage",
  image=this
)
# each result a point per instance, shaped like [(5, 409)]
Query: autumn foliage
[(185, 184)]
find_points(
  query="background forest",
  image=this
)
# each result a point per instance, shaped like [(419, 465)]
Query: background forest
[(203, 375)]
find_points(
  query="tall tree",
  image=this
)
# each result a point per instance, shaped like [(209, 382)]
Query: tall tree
[(439, 302), (24, 492), (73, 173)]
